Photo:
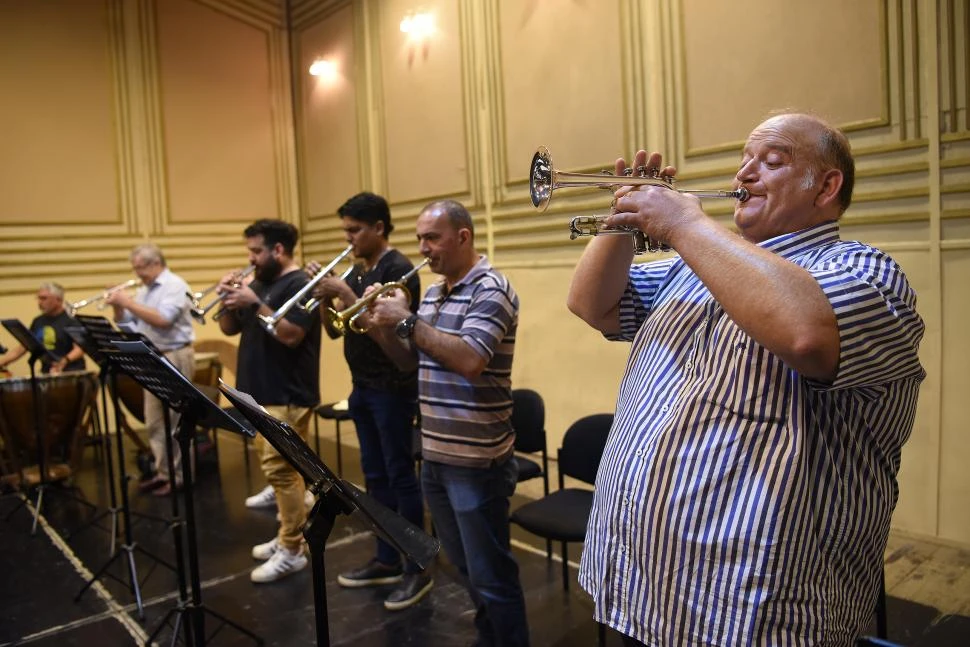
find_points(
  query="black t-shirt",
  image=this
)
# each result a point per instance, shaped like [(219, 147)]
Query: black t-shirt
[(52, 333), (369, 366), (270, 371)]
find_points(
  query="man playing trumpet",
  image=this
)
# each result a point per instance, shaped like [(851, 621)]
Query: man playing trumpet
[(158, 309), (281, 370), (746, 489), (383, 402)]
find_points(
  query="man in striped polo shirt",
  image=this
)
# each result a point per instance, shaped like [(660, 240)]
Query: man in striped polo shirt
[(461, 340), (745, 493)]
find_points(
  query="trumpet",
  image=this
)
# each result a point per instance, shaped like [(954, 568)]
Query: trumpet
[(544, 179), (269, 322), (347, 318), (99, 298), (199, 311), (314, 303)]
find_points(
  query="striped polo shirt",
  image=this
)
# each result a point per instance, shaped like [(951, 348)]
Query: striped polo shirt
[(737, 502), (469, 422)]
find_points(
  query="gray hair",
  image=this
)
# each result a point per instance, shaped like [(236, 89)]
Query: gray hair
[(148, 252), (53, 288)]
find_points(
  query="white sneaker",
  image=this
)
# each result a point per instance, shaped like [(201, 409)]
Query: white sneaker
[(265, 499), (263, 552), (281, 564)]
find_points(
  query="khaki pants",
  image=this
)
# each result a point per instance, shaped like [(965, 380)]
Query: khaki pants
[(286, 481), (184, 361)]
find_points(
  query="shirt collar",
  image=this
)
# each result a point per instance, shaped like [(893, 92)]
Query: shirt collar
[(792, 244)]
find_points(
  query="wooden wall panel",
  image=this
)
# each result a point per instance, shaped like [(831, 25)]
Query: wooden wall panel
[(218, 126), (746, 58), (57, 121), (561, 85), (329, 141), (423, 104)]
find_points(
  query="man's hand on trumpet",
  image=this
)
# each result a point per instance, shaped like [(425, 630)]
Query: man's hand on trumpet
[(330, 287), (235, 294), (655, 210), (387, 310)]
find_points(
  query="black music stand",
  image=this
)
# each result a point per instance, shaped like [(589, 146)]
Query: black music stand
[(157, 375), (101, 335), (37, 351), (334, 496)]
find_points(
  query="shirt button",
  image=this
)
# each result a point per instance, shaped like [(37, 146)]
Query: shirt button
[(639, 452), (688, 365), (664, 408)]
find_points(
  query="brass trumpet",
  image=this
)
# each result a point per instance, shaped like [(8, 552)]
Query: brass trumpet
[(199, 311), (99, 298), (544, 179), (346, 319), (269, 322)]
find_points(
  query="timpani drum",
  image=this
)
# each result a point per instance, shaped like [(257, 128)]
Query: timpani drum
[(65, 402)]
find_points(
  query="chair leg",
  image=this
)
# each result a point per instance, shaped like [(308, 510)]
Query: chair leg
[(548, 550), (316, 432), (881, 615), (565, 567), (340, 457)]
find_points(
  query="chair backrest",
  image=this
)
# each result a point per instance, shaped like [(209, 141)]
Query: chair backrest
[(583, 445), (528, 420)]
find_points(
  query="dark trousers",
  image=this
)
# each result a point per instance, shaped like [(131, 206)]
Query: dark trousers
[(384, 423), (632, 642), (470, 510)]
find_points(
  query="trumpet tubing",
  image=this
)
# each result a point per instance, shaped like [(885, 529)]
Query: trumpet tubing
[(314, 303), (99, 298), (199, 311), (346, 319), (544, 179), (270, 322)]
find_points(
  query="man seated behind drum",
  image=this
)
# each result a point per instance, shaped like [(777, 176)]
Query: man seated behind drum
[(50, 329)]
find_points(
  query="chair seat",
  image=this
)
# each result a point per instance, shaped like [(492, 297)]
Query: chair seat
[(561, 516), (327, 412), (528, 469)]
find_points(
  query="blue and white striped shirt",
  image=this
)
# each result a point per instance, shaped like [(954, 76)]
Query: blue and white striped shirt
[(167, 295), (737, 502)]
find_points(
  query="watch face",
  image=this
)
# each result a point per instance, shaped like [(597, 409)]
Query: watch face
[(403, 328)]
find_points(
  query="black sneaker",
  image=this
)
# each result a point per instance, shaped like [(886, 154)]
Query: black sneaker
[(373, 573), (414, 587)]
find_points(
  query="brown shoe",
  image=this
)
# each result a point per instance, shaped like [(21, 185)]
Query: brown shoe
[(163, 490), (155, 482)]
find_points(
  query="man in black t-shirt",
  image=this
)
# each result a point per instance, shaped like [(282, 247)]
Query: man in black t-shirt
[(281, 370), (50, 329), (384, 399)]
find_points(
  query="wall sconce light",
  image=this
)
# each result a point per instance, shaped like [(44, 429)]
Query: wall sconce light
[(325, 69), (418, 26)]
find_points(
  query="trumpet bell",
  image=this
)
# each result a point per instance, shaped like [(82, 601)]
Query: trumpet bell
[(541, 178)]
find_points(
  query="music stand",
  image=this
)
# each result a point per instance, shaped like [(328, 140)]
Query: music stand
[(101, 335), (159, 376), (37, 351), (334, 496)]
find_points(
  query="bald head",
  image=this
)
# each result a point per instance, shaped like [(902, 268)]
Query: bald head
[(825, 145)]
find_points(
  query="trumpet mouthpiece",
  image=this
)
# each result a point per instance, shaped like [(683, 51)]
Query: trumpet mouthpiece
[(743, 194)]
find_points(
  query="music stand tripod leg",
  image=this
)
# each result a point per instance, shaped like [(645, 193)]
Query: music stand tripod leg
[(319, 525), (193, 607), (129, 547)]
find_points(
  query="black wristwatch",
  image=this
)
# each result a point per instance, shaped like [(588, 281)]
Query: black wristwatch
[(405, 327)]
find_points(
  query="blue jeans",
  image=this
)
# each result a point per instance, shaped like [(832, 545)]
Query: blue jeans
[(470, 510), (384, 423)]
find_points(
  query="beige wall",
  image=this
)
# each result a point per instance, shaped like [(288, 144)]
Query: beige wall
[(172, 120)]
